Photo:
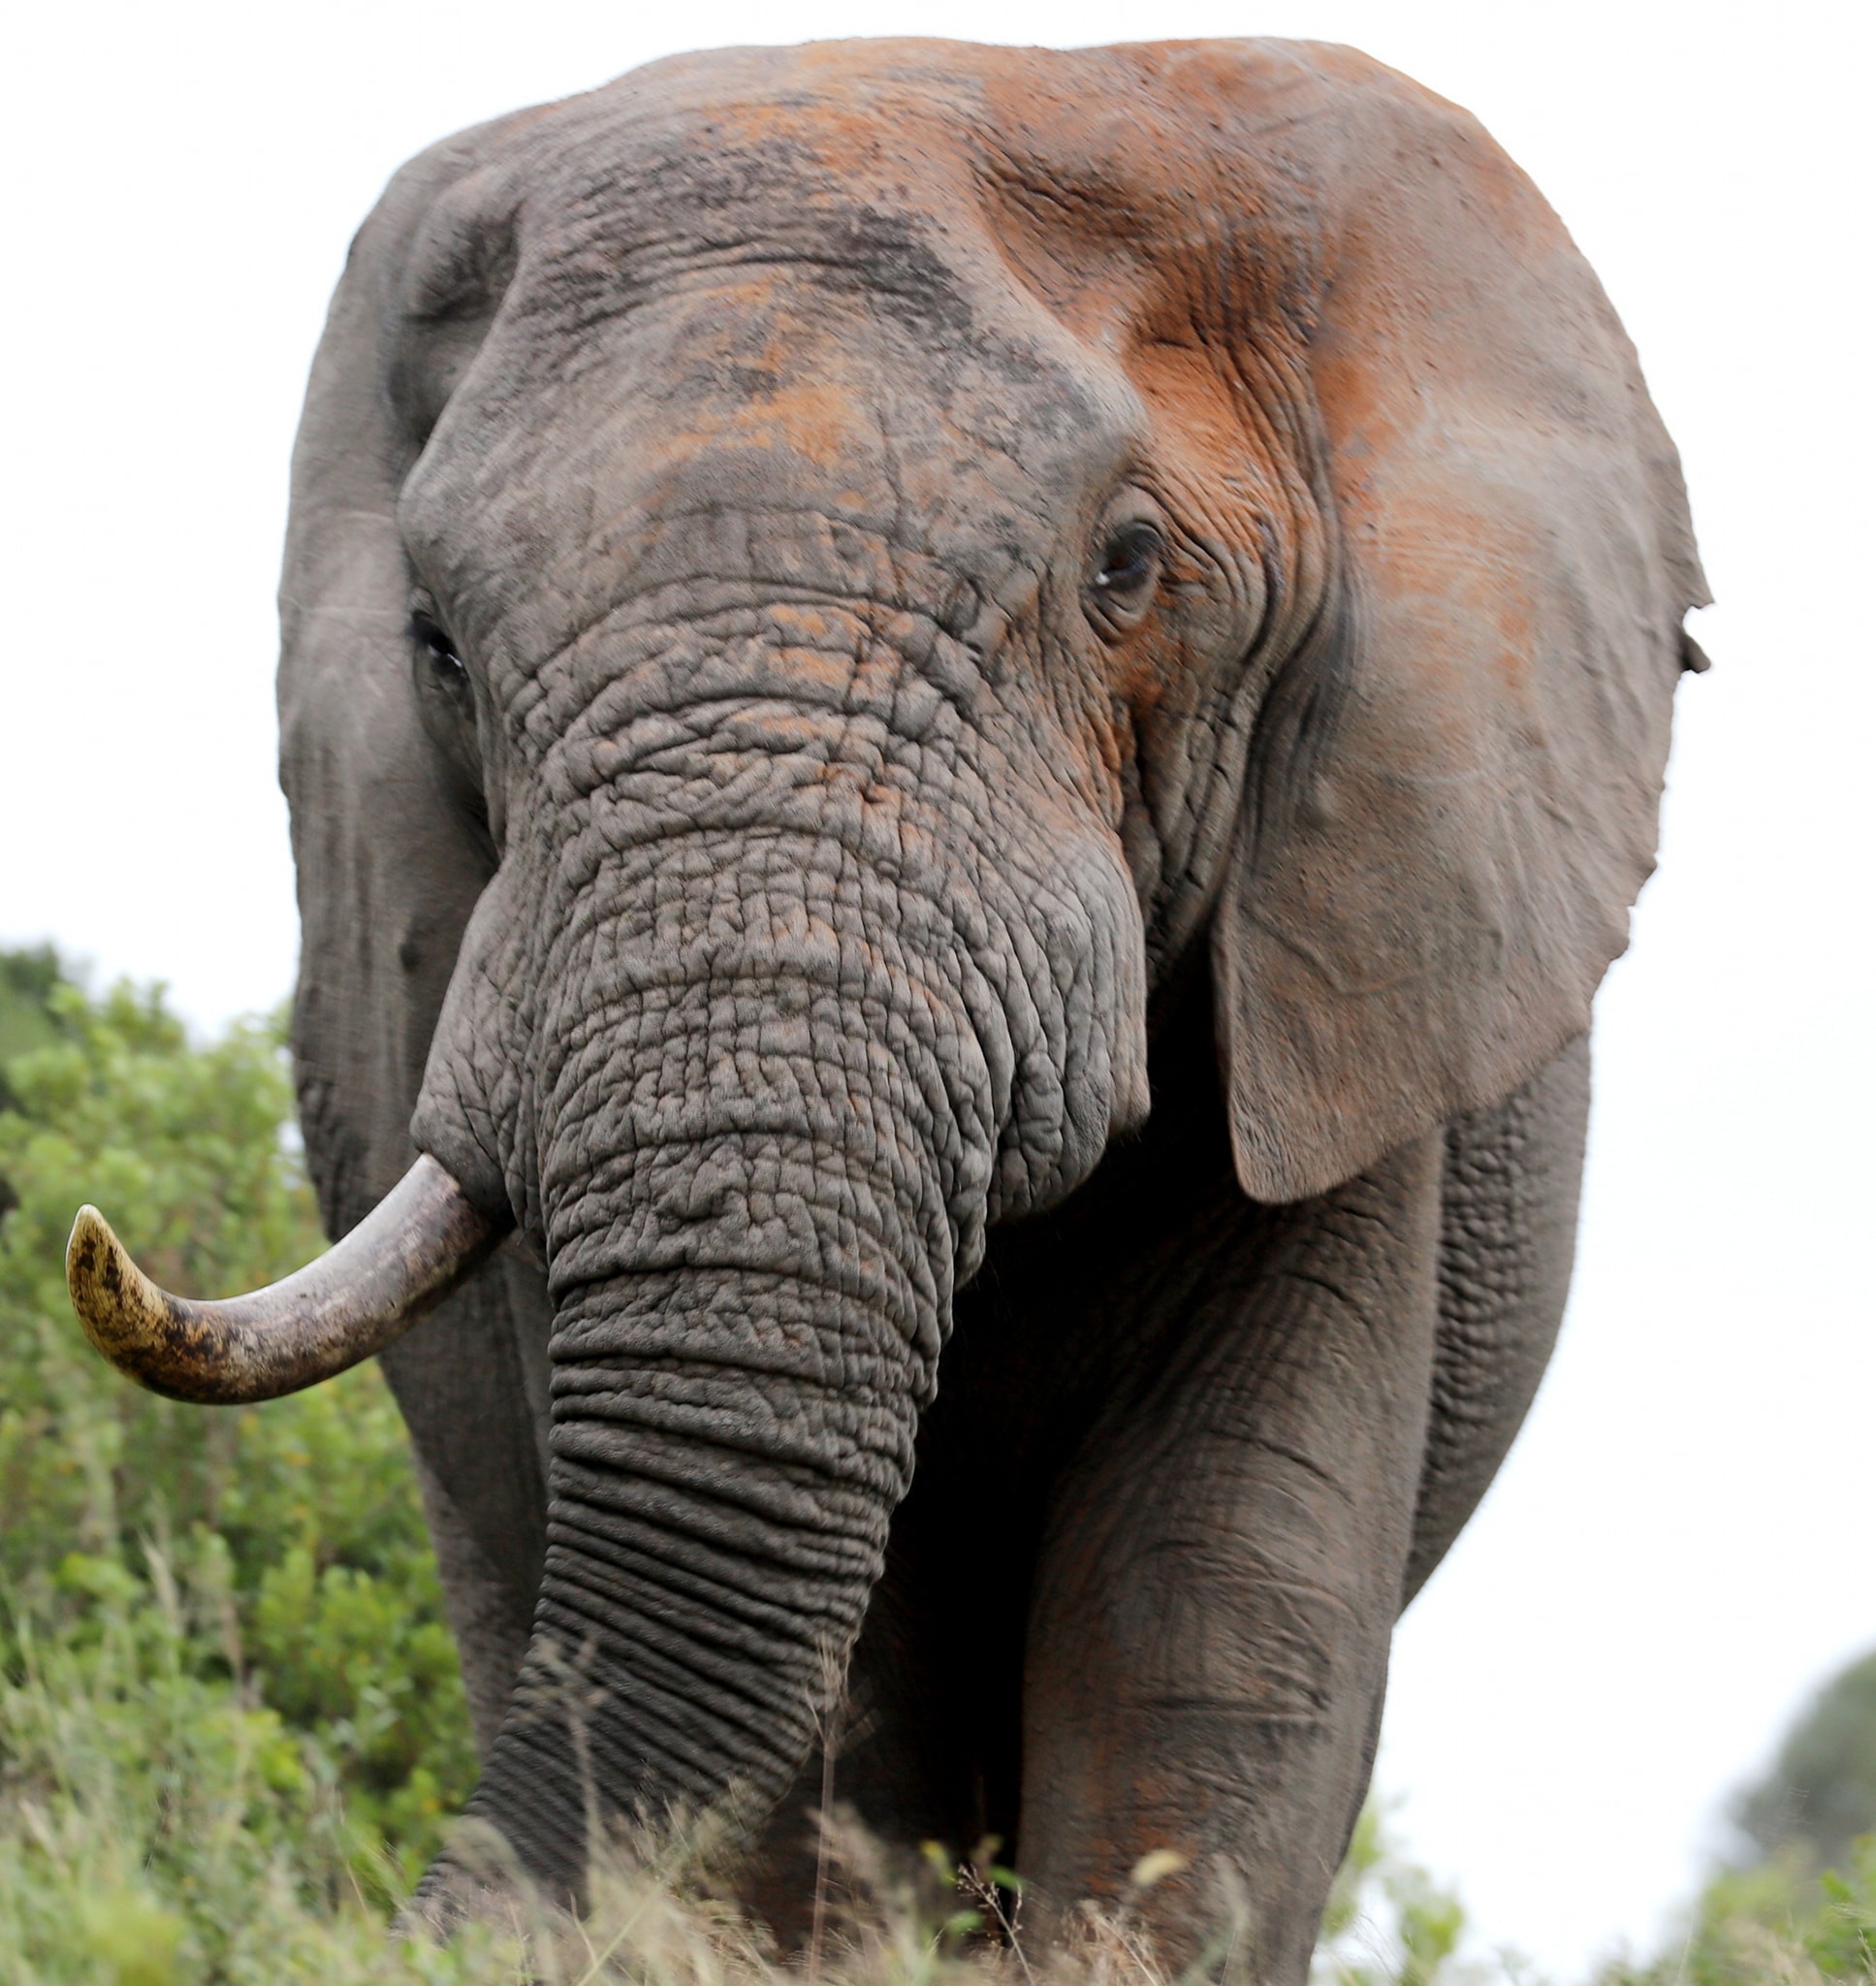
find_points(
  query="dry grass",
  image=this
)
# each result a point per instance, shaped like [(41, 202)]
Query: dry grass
[(158, 1829), (663, 1914)]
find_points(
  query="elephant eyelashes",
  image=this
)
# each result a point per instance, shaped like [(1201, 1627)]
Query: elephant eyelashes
[(446, 707), (1124, 581), (430, 636)]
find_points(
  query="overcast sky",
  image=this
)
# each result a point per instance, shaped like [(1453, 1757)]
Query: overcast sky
[(1681, 1543)]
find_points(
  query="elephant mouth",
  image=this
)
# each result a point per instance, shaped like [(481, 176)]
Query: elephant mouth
[(423, 1241)]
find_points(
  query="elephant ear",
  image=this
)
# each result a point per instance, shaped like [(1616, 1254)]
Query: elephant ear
[(392, 851), (389, 848), (1452, 798)]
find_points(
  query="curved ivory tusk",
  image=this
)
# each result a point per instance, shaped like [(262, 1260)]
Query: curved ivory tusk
[(418, 1244)]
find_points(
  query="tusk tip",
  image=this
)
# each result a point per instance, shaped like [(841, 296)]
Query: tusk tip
[(123, 1311), (394, 1268)]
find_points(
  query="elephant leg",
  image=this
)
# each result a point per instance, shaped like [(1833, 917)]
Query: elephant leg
[(1219, 1578), (487, 1620), (473, 1383)]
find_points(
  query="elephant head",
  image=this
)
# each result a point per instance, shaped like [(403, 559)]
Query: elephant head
[(820, 583)]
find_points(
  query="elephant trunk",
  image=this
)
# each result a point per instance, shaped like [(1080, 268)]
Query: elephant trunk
[(765, 1143)]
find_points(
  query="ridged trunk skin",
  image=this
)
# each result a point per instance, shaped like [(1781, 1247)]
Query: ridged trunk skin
[(729, 1445), (749, 1156)]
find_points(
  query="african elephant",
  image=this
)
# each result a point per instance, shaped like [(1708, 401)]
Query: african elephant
[(966, 730)]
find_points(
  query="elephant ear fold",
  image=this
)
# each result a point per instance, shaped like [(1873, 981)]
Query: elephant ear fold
[(1452, 798), (390, 853)]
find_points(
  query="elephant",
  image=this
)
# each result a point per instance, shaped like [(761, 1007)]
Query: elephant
[(966, 730)]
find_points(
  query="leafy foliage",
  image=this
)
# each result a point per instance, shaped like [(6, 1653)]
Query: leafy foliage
[(26, 983), (222, 1628), (1820, 1794), (1801, 1909), (1774, 1925), (1389, 1923)]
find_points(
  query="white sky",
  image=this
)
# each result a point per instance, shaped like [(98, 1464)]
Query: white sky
[(1681, 1543)]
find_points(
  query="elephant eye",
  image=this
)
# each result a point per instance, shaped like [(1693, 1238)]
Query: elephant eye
[(1123, 581), (431, 636)]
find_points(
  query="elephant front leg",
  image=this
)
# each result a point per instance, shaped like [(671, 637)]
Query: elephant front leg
[(1208, 1643)]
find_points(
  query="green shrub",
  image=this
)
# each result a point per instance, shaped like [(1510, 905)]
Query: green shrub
[(1778, 1924), (1389, 1923), (1802, 1907), (1820, 1794), (224, 1669)]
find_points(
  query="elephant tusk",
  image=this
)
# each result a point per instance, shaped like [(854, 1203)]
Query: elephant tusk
[(421, 1241)]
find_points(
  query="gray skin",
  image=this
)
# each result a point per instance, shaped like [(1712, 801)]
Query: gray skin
[(1040, 689)]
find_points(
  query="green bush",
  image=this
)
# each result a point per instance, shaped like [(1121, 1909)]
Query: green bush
[(1389, 1923), (1778, 1924), (1800, 1908), (1820, 1794), (224, 1669)]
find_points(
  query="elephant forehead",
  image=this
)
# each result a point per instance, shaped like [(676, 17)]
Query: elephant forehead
[(731, 167), (735, 234), (936, 183), (918, 180), (923, 290), (641, 382)]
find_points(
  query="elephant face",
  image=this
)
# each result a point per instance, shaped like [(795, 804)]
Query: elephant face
[(764, 517), (858, 563)]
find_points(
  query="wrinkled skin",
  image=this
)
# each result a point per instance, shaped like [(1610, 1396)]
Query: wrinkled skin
[(1038, 694)]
